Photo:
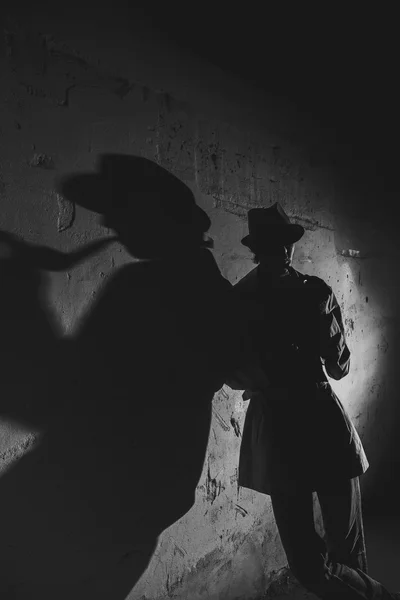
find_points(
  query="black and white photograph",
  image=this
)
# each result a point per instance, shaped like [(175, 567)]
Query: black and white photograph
[(200, 301)]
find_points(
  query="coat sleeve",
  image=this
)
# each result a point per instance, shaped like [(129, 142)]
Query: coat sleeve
[(333, 348)]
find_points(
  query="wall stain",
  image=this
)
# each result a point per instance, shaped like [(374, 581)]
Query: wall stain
[(42, 161), (222, 395), (66, 213), (178, 550), (32, 90), (212, 486), (233, 478), (220, 420), (236, 426), (239, 509), (171, 587)]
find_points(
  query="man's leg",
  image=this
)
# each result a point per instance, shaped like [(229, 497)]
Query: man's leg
[(341, 510), (308, 558)]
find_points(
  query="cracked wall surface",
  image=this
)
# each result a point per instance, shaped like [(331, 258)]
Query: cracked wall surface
[(65, 98)]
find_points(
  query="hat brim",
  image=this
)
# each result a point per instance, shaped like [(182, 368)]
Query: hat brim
[(92, 193), (288, 234), (86, 190)]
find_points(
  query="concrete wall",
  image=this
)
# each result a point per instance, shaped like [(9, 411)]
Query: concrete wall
[(71, 89)]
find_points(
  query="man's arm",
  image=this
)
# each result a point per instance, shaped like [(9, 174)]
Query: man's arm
[(245, 371), (333, 348)]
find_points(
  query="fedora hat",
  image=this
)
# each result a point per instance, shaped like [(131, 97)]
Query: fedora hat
[(269, 226), (133, 189)]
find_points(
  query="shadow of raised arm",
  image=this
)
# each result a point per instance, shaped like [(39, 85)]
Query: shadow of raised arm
[(49, 259)]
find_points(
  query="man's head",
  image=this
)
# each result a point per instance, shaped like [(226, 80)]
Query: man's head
[(274, 258), (271, 238)]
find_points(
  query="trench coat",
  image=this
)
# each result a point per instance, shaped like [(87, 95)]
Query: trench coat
[(296, 430)]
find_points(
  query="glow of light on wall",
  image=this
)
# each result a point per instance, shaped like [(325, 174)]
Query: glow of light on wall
[(362, 340)]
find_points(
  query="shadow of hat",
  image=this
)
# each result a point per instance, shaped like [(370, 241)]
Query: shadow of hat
[(136, 192)]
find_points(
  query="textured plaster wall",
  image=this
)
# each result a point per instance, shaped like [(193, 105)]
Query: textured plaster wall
[(68, 93)]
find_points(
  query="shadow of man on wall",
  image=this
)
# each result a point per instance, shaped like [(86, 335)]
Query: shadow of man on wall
[(122, 460), (32, 345), (32, 362)]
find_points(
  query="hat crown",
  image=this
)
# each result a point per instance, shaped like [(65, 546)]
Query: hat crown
[(272, 216), (271, 226)]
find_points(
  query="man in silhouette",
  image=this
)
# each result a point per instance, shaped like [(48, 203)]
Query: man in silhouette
[(298, 438)]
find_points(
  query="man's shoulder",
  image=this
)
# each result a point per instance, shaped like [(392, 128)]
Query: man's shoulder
[(315, 281), (306, 278), (316, 284)]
